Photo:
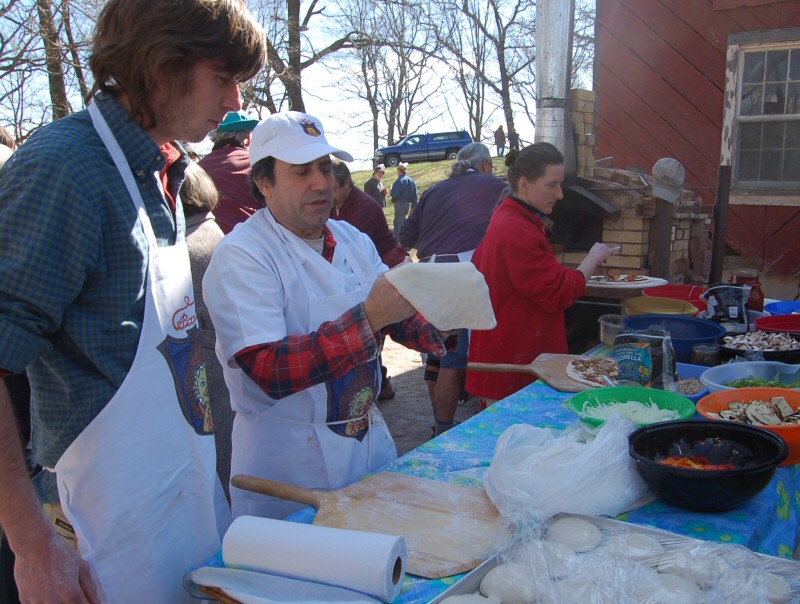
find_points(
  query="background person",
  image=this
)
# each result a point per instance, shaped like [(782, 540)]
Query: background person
[(528, 287), (450, 221), (94, 268), (228, 164), (200, 196), (357, 208), (500, 141), (404, 196), (301, 309), (374, 186)]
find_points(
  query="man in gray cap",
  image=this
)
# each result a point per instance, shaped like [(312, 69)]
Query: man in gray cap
[(301, 309), (374, 186), (228, 164)]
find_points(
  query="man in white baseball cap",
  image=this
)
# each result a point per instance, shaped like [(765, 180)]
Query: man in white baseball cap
[(374, 186), (301, 308)]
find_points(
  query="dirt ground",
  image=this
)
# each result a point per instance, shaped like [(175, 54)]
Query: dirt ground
[(409, 414)]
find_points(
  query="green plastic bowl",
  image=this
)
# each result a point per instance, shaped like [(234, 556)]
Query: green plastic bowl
[(624, 394)]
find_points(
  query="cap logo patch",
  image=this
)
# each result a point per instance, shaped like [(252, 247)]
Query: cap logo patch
[(309, 127)]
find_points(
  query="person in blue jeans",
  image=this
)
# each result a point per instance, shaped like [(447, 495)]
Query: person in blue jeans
[(404, 196)]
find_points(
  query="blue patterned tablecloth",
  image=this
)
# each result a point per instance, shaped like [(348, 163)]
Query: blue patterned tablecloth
[(769, 523)]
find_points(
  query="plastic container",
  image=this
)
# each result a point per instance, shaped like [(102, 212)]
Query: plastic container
[(783, 356), (610, 326), (642, 305), (787, 307), (686, 371), (685, 331), (706, 355), (755, 452), (716, 377), (779, 323), (689, 293), (624, 394), (717, 401)]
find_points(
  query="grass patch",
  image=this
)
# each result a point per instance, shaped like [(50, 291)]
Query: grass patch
[(425, 174)]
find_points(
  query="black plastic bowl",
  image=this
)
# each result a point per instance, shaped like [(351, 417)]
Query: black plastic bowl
[(782, 356), (754, 451)]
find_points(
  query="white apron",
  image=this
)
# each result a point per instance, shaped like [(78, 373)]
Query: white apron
[(139, 484), (329, 435)]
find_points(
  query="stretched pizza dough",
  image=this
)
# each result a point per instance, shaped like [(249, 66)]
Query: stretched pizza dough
[(451, 295)]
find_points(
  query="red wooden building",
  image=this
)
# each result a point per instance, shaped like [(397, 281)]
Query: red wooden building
[(710, 83)]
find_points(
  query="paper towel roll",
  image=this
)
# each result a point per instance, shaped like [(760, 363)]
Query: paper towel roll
[(372, 563)]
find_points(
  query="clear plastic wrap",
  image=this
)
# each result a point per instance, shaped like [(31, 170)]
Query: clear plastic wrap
[(622, 563), (525, 480)]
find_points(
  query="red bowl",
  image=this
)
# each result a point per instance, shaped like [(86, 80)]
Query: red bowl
[(779, 323)]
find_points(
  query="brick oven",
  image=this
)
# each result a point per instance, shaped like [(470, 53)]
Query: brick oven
[(616, 206)]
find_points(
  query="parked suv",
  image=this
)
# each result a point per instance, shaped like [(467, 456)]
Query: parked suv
[(424, 147)]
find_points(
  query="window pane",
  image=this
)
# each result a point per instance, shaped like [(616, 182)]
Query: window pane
[(774, 99), (773, 135), (791, 165), (754, 67), (793, 135), (794, 68), (750, 137), (751, 99), (777, 65), (771, 165), (793, 98), (748, 165)]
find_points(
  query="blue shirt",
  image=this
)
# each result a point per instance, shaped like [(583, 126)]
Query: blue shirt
[(74, 259), (404, 190)]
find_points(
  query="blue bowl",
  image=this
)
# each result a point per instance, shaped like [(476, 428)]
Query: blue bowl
[(686, 371), (788, 307), (715, 377), (685, 331)]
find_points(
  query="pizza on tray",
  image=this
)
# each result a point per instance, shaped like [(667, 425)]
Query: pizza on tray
[(590, 371), (617, 278)]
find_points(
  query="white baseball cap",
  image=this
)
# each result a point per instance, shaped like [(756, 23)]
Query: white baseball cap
[(668, 175), (293, 137)]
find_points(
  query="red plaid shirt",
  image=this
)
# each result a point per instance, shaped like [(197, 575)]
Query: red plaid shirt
[(298, 362)]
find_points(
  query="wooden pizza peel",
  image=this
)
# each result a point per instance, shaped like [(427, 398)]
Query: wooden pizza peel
[(548, 367), (449, 529)]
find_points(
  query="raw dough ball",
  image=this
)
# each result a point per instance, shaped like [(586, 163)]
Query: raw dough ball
[(512, 583), (777, 589), (581, 591), (470, 599), (576, 533), (546, 558), (676, 590), (681, 562), (635, 546)]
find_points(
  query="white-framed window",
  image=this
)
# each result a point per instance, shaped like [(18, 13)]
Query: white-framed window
[(761, 130)]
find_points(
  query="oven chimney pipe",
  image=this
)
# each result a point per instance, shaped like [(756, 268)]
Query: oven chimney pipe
[(554, 28)]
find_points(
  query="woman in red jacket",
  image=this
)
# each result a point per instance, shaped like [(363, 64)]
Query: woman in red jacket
[(528, 287)]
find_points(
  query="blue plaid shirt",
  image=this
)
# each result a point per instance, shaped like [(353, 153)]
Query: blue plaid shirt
[(74, 259)]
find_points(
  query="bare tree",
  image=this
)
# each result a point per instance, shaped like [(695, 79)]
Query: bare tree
[(52, 52), (505, 27), (290, 49)]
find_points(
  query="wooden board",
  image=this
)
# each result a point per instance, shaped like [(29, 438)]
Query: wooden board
[(449, 529), (552, 370)]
